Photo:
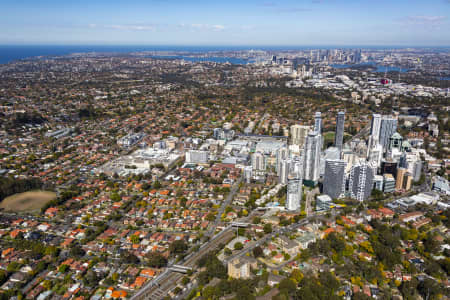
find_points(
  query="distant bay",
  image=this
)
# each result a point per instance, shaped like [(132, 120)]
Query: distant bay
[(13, 53), (231, 60)]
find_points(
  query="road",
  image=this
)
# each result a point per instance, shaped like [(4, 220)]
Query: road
[(309, 199), (225, 203), (159, 287), (251, 245)]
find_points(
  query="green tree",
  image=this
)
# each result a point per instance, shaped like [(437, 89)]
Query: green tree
[(63, 268), (287, 286), (238, 246), (178, 247), (156, 260), (135, 239), (257, 251), (267, 228)]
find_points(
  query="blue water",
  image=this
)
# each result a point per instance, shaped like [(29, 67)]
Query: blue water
[(379, 68), (232, 60), (12, 53)]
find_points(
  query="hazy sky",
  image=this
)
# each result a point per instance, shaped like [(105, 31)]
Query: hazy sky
[(226, 22)]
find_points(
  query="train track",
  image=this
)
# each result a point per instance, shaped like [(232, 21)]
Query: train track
[(167, 281)]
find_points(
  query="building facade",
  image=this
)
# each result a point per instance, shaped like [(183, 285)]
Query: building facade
[(387, 129), (334, 178), (339, 136), (311, 157), (197, 156), (299, 134), (294, 194), (361, 181)]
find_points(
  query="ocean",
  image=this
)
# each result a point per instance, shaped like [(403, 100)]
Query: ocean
[(9, 53), (12, 53)]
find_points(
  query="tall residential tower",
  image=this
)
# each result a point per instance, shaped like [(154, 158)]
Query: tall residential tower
[(339, 136)]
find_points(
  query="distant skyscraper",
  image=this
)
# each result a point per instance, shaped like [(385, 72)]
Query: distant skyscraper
[(294, 194), (334, 178), (361, 181), (318, 122), (298, 134), (387, 128), (357, 56), (311, 156), (339, 136)]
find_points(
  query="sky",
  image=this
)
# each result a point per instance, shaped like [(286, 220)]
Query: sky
[(226, 22)]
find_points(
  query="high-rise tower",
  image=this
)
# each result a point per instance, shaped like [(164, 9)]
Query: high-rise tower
[(334, 178), (361, 181), (339, 136), (311, 157)]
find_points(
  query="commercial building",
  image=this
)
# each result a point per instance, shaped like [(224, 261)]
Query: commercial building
[(388, 183), (389, 167), (417, 170), (334, 178), (197, 156), (387, 128), (323, 202), (403, 180), (378, 182), (441, 185), (329, 153)]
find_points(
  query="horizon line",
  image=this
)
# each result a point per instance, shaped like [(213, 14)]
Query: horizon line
[(222, 45)]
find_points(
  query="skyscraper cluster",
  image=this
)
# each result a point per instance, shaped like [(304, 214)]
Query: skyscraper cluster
[(352, 169)]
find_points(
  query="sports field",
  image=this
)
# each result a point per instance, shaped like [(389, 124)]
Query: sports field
[(28, 201)]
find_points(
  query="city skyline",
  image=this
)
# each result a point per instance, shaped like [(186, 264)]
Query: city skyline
[(281, 23)]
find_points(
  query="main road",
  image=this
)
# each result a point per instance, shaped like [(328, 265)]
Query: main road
[(223, 206), (160, 286)]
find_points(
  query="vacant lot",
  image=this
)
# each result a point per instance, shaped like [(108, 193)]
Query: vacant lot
[(27, 201)]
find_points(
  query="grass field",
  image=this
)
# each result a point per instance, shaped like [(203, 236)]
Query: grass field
[(28, 201)]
